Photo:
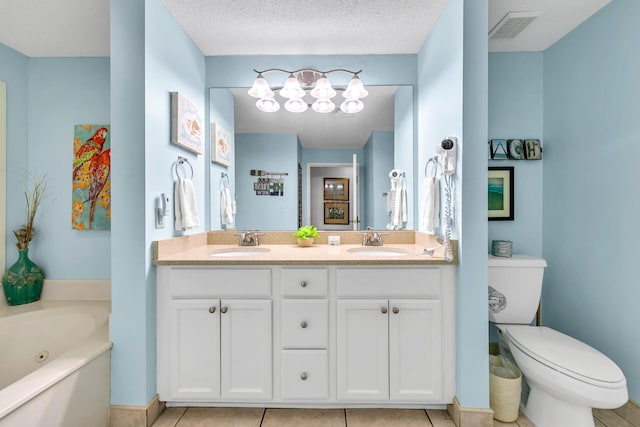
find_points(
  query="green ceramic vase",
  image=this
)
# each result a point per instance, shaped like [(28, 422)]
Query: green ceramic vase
[(22, 283)]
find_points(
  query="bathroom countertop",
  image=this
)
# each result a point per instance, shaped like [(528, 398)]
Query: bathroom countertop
[(196, 249), (320, 254)]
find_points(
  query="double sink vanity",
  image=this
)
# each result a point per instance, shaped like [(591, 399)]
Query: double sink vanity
[(278, 325)]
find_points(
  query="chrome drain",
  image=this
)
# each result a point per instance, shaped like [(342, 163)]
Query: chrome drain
[(42, 356)]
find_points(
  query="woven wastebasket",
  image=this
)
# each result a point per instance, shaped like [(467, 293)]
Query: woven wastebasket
[(505, 383)]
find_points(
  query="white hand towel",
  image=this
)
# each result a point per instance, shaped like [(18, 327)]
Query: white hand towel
[(186, 210), (226, 206), (430, 206)]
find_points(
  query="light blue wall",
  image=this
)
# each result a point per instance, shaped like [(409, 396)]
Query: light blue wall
[(150, 57), (515, 111), (83, 85), (591, 175), (405, 153), (452, 72), (272, 153), (15, 73), (221, 112), (378, 160)]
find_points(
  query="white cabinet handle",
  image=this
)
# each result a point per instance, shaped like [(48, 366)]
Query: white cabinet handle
[(395, 310), (304, 376), (212, 309), (384, 310), (304, 324), (304, 283), (223, 310)]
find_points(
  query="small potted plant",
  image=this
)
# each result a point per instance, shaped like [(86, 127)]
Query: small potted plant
[(306, 234)]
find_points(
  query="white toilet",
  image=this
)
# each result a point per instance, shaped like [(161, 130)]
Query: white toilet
[(566, 377)]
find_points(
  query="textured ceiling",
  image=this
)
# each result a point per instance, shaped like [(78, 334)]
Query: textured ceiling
[(290, 27)]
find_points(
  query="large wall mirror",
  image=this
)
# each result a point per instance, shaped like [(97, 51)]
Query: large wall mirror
[(3, 172), (283, 163)]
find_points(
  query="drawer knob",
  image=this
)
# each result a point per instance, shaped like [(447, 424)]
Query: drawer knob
[(212, 309), (384, 310), (223, 310), (304, 324), (304, 284), (396, 310), (304, 376)]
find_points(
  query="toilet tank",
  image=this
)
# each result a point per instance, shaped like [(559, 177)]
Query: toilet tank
[(519, 279)]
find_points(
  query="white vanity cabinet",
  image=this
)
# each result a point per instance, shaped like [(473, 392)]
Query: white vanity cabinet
[(389, 335), (306, 335), (210, 348)]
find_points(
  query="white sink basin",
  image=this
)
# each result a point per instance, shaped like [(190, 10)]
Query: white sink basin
[(238, 252), (377, 251)]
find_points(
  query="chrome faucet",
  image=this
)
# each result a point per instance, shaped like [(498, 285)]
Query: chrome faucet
[(371, 238), (249, 238)]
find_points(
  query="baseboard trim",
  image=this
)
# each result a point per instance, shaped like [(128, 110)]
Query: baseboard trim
[(135, 416), (469, 417)]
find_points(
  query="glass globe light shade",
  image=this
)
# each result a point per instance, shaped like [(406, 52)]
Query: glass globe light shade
[(323, 89), (355, 89), (291, 88), (260, 88), (323, 105), (268, 105), (351, 106), (296, 105)]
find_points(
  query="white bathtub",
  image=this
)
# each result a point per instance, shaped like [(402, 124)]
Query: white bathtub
[(55, 364)]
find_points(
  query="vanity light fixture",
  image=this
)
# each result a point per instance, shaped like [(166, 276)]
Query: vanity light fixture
[(308, 81)]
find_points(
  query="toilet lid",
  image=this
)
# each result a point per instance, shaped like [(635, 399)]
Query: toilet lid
[(566, 355)]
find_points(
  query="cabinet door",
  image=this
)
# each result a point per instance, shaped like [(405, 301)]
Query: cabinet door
[(415, 350), (246, 349), (362, 350), (195, 349)]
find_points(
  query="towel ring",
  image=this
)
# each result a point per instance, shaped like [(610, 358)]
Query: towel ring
[(433, 160), (182, 161)]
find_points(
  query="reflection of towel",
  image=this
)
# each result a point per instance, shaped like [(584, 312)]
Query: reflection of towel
[(185, 205), (397, 204), (430, 207), (226, 206)]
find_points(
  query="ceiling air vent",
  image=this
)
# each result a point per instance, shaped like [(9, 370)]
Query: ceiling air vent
[(512, 24)]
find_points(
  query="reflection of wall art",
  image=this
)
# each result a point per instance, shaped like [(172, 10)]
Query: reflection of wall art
[(336, 213), (336, 189), (515, 149), (220, 145), (187, 128), (91, 178), (500, 193)]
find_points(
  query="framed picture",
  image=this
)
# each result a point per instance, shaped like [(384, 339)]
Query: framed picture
[(187, 128), (500, 190), (220, 145), (336, 212), (336, 189)]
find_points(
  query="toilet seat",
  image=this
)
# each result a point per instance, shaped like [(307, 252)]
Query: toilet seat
[(565, 354)]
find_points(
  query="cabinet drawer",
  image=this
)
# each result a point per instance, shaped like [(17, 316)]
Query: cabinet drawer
[(220, 282), (305, 323), (305, 374), (304, 282), (389, 282)]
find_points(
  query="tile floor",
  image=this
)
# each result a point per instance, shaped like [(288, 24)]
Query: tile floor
[(627, 416)]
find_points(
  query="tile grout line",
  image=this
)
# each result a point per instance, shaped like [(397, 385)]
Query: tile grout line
[(345, 418), (264, 414)]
